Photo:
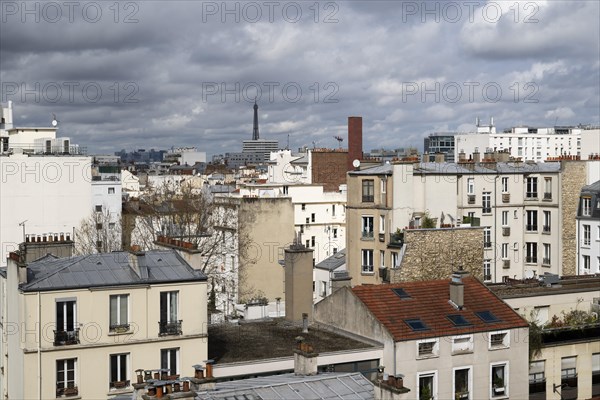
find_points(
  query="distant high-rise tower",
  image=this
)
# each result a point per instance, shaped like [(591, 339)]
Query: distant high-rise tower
[(255, 135)]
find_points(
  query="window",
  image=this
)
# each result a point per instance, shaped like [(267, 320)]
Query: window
[(323, 289), (568, 374), (119, 378), (367, 261), (470, 185), (169, 323), (367, 227), (487, 269), (547, 188), (531, 252), (368, 191), (303, 207), (395, 260), (169, 359), (428, 348), (547, 221), (66, 331), (537, 377), (383, 185), (487, 237), (586, 235), (312, 217), (111, 225), (595, 374), (333, 210), (335, 235), (499, 340), (586, 206), (586, 264), (312, 241), (504, 218), (486, 202), (65, 377), (462, 344), (99, 225), (98, 208), (532, 222), (427, 386), (531, 188), (301, 228), (382, 224), (307, 243), (286, 190), (119, 312), (504, 251), (111, 190), (541, 314), (499, 380), (505, 184), (382, 258), (462, 383)]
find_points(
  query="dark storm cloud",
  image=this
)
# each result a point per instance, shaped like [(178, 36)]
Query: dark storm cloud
[(159, 71)]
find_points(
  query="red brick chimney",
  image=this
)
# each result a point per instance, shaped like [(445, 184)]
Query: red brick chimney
[(355, 142)]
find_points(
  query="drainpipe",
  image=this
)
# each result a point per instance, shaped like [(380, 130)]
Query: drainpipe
[(39, 344)]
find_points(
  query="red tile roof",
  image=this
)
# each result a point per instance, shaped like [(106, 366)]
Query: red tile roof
[(429, 302)]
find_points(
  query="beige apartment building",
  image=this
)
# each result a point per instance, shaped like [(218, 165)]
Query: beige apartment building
[(79, 327), (526, 212)]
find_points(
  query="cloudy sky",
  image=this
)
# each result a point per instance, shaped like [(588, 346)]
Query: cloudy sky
[(156, 74)]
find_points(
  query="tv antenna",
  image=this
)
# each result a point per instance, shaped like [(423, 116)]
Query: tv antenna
[(340, 140)]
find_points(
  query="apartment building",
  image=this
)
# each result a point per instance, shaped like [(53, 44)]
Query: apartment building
[(524, 142), (79, 327), (568, 363), (519, 205), (440, 143), (588, 230), (446, 339), (46, 183)]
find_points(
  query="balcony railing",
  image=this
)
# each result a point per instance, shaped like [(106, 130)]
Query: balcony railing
[(506, 231), (119, 328), (396, 240), (368, 199), (382, 237), (505, 263), (367, 269), (531, 195), (68, 391), (367, 234), (546, 229), (471, 199), (537, 386), (169, 328), (531, 260), (486, 210), (546, 261), (547, 196), (505, 197), (62, 338), (531, 228), (119, 384)]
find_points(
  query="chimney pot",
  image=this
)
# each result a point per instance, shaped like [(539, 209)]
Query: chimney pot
[(209, 368)]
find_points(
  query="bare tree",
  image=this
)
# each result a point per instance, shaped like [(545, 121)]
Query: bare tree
[(98, 233)]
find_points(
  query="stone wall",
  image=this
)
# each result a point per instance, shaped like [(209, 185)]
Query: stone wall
[(434, 253), (573, 178)]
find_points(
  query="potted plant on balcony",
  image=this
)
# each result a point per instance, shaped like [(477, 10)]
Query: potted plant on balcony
[(425, 393), (462, 392), (71, 391), (498, 385), (119, 384)]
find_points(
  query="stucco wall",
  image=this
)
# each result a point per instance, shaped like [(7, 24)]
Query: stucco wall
[(573, 179)]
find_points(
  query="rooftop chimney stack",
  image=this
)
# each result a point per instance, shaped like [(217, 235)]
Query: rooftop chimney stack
[(298, 267), (355, 141), (457, 288), (305, 359), (476, 155)]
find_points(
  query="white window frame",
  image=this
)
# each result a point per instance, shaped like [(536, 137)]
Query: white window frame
[(505, 340), (462, 349), (119, 298), (487, 265), (531, 183), (586, 206), (586, 235), (505, 184), (382, 224), (487, 237), (530, 217), (365, 226), (382, 258), (65, 381), (470, 186), (435, 351), (425, 374), (469, 381), (127, 367), (365, 257), (177, 359), (504, 251), (505, 218), (506, 380)]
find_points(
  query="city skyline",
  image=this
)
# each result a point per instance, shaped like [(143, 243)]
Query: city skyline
[(126, 77)]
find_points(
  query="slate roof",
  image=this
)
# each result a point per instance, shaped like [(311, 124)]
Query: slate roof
[(386, 169), (109, 269), (334, 261), (448, 168), (349, 386), (429, 302)]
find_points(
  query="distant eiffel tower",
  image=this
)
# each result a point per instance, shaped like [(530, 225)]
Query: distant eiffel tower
[(255, 135)]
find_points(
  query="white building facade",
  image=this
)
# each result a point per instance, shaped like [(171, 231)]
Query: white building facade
[(588, 230)]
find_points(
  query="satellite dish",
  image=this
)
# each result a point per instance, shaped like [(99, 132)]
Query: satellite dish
[(54, 122), (356, 163)]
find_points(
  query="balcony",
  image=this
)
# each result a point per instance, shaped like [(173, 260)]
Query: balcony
[(546, 229), (471, 199), (505, 263), (119, 384), (546, 262), (506, 231), (505, 197), (64, 338), (368, 235), (531, 260), (169, 328), (396, 240), (473, 221), (547, 196), (68, 391)]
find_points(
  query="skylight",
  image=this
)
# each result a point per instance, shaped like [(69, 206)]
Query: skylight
[(458, 320), (401, 293), (487, 316), (416, 324)]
